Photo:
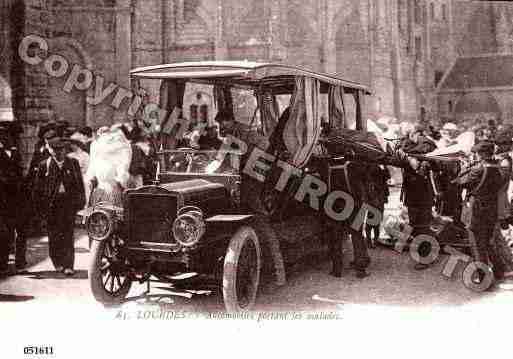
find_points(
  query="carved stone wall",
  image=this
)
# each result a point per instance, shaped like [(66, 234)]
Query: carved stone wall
[(400, 48)]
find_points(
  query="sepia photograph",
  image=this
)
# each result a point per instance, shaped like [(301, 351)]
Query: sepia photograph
[(296, 178)]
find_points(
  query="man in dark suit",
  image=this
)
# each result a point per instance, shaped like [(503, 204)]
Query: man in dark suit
[(417, 192), (484, 181), (58, 195), (19, 213), (33, 223), (11, 174)]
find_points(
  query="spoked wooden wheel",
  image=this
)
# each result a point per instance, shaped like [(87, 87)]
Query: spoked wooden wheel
[(241, 272), (108, 275)]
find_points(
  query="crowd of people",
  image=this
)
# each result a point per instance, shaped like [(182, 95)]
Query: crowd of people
[(75, 168), (473, 192), (70, 169)]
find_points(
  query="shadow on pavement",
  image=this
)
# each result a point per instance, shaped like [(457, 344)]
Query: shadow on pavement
[(15, 298), (37, 247), (152, 299), (37, 252), (197, 303), (47, 274), (194, 294)]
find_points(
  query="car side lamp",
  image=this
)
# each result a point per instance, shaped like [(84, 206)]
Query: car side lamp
[(189, 226)]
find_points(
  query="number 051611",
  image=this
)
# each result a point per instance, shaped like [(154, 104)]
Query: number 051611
[(38, 350)]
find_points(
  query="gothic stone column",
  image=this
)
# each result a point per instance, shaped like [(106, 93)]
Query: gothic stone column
[(123, 42)]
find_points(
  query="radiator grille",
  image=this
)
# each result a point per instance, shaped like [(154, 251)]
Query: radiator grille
[(151, 217)]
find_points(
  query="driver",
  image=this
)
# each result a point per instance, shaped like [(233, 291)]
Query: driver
[(228, 127), (210, 140)]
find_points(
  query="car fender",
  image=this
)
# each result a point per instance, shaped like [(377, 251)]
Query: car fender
[(224, 226)]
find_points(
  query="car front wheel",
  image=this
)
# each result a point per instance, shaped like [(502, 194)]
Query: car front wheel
[(108, 276), (241, 271)]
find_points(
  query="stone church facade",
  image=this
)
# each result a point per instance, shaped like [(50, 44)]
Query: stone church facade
[(401, 49), (478, 84)]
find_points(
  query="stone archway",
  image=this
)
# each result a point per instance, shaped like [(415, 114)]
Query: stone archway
[(302, 40), (196, 35), (351, 45), (252, 29), (72, 107), (207, 17)]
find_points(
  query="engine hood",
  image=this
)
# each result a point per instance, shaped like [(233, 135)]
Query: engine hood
[(199, 192)]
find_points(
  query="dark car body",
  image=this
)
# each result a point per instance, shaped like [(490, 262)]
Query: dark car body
[(218, 213)]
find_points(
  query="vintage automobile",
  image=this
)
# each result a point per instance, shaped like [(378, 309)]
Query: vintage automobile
[(217, 217)]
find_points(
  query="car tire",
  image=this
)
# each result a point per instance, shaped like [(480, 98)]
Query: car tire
[(108, 285), (241, 270)]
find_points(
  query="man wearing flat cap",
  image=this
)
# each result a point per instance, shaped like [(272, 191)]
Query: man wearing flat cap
[(58, 195), (417, 191), (484, 180), (11, 174)]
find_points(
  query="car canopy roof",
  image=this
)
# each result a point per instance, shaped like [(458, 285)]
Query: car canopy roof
[(241, 73)]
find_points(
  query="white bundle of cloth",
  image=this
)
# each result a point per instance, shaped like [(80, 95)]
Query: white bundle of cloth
[(462, 147), (374, 128), (110, 157)]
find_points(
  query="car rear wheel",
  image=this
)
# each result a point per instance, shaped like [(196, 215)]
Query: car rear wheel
[(108, 275), (241, 271)]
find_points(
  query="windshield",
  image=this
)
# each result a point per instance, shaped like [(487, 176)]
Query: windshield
[(190, 161)]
